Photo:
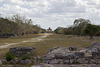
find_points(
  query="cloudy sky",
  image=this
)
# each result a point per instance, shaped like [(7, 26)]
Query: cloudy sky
[(52, 13)]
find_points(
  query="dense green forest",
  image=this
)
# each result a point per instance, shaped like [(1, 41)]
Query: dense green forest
[(80, 27), (18, 26)]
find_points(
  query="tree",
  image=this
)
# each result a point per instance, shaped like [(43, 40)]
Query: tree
[(81, 21), (25, 26), (91, 30), (6, 26), (68, 31), (59, 30), (79, 25), (18, 26)]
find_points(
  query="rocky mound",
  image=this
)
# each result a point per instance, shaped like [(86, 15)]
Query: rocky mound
[(73, 55)]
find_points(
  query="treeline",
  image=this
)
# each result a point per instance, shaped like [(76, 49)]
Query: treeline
[(18, 26), (80, 27)]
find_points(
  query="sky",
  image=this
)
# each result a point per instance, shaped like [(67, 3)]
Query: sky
[(52, 13)]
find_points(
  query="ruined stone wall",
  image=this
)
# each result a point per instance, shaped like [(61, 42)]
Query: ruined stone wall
[(19, 51)]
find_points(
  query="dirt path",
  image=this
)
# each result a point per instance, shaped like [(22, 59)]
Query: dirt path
[(37, 39), (29, 40)]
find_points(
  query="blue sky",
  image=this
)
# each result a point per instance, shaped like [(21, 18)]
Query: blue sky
[(52, 13)]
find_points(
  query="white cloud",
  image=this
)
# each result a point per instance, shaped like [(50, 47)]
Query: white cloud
[(52, 13), (17, 2), (1, 0)]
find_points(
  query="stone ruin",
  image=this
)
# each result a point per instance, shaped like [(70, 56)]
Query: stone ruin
[(73, 55), (19, 51), (49, 30)]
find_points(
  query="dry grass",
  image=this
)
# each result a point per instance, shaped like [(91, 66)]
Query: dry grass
[(56, 40)]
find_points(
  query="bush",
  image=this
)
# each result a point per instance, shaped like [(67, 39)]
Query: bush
[(9, 56), (41, 59), (25, 56)]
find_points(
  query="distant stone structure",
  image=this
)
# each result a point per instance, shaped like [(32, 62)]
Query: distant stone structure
[(19, 51), (49, 30)]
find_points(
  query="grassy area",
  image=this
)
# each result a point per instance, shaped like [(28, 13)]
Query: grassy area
[(53, 40), (56, 40), (4, 41)]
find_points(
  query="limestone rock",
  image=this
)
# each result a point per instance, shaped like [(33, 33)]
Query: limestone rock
[(82, 61), (37, 59), (73, 55), (46, 59), (0, 62), (93, 61), (96, 44), (70, 56), (66, 62), (37, 66), (79, 54), (27, 61), (14, 61), (96, 55), (4, 61), (15, 66), (56, 61), (72, 48), (59, 56)]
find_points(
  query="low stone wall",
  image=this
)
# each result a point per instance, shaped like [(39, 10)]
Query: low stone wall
[(19, 51)]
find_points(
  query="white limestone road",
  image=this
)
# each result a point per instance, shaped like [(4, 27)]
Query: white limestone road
[(29, 40)]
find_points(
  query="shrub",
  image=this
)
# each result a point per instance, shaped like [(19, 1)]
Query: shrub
[(9, 56), (41, 59), (25, 56)]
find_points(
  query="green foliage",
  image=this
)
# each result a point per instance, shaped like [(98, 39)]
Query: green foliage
[(41, 58), (5, 26), (80, 27), (42, 30), (91, 30), (25, 56), (59, 30), (76, 29), (68, 31), (9, 56)]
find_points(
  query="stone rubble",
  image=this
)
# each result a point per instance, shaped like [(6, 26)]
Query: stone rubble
[(27, 61), (0, 62), (14, 61), (73, 55)]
